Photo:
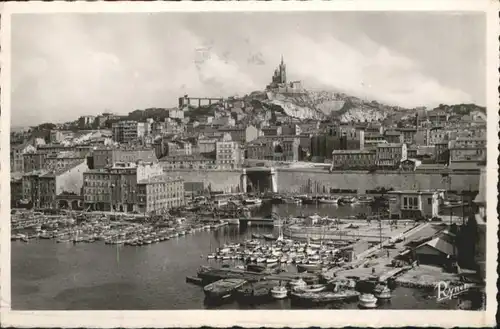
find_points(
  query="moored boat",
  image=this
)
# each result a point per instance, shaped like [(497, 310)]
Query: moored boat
[(279, 292), (367, 301), (222, 289), (310, 288), (382, 292), (324, 296)]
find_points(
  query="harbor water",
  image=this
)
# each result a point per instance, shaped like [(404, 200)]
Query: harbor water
[(93, 276)]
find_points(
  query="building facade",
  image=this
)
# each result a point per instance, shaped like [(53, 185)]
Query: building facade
[(390, 155), (415, 203), (116, 188), (353, 159), (106, 157), (228, 155), (128, 131), (43, 186), (159, 194)]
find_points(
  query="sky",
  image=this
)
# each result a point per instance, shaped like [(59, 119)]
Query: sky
[(66, 65)]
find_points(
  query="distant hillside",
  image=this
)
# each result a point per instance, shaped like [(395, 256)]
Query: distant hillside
[(461, 109)]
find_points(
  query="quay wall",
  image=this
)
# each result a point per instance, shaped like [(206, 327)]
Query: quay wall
[(227, 181), (312, 181), (320, 181)]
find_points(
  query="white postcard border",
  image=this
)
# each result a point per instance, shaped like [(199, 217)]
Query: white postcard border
[(224, 318)]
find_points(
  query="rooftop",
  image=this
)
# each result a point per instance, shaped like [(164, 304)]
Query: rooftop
[(416, 192), (390, 145), (159, 179)]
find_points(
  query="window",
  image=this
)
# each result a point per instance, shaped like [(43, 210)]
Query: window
[(405, 202), (429, 201)]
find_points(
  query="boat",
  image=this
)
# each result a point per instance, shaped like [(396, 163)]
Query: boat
[(382, 292), (232, 221), (347, 200), (324, 296), (310, 288), (269, 237), (279, 292), (256, 268), (309, 267), (329, 200), (291, 200), (222, 289), (367, 301), (365, 199), (252, 202), (256, 236), (297, 283), (308, 200), (271, 260)]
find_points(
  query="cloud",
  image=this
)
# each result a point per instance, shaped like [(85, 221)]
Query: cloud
[(67, 66)]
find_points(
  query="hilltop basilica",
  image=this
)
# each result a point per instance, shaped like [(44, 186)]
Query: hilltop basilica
[(279, 84)]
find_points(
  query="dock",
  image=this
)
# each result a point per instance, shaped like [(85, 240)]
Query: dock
[(210, 274)]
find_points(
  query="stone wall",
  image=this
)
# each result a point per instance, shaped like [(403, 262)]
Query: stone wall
[(301, 181), (227, 181), (307, 181)]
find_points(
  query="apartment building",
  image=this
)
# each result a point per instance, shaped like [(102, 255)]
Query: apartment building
[(389, 155)]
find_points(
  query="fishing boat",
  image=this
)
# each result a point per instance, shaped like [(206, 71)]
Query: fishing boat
[(365, 199), (297, 283), (309, 266), (324, 296), (310, 288), (279, 292), (347, 200), (272, 260), (382, 292), (269, 237), (367, 301), (256, 291), (222, 289), (291, 200), (329, 200), (252, 202)]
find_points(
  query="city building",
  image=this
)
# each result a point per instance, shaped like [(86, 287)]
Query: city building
[(290, 129), (437, 118), (409, 135), (41, 187), (241, 134), (271, 130), (226, 121), (442, 152), (116, 188), (106, 157), (393, 136), (353, 159), (172, 147), (58, 161), (410, 164), (285, 149), (194, 162), (86, 121), (128, 131), (228, 155), (390, 155), (16, 189), (480, 219), (175, 113), (158, 194), (17, 153), (415, 203)]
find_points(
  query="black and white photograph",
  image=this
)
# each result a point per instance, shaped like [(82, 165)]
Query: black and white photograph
[(250, 160)]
